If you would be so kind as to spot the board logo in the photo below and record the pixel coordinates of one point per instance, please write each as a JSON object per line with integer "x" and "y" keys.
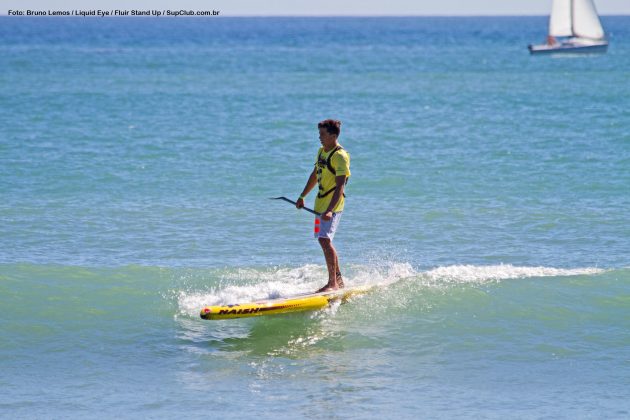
{"x": 239, "y": 311}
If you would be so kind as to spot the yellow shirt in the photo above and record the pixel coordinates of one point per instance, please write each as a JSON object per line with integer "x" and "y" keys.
{"x": 340, "y": 162}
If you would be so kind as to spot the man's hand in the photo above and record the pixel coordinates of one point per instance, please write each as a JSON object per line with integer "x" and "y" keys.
{"x": 299, "y": 203}
{"x": 327, "y": 216}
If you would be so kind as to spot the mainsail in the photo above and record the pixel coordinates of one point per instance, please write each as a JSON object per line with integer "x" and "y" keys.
{"x": 586, "y": 23}
{"x": 575, "y": 18}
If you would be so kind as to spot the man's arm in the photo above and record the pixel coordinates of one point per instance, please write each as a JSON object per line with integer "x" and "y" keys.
{"x": 310, "y": 184}
{"x": 341, "y": 185}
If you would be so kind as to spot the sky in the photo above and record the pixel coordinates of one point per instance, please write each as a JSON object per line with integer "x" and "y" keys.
{"x": 321, "y": 7}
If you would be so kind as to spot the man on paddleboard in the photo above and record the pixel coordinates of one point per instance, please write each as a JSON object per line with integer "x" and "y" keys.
{"x": 331, "y": 172}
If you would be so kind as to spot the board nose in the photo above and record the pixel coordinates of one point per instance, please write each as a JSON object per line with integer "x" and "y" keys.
{"x": 205, "y": 313}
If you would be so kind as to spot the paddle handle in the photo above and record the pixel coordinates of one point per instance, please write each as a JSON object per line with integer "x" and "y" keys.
{"x": 294, "y": 203}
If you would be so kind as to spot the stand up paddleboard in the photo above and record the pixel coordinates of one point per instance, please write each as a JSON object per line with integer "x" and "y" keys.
{"x": 298, "y": 303}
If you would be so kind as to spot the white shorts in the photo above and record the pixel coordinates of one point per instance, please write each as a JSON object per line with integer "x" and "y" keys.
{"x": 326, "y": 228}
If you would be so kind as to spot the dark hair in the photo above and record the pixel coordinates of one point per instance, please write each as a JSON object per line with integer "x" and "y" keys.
{"x": 332, "y": 126}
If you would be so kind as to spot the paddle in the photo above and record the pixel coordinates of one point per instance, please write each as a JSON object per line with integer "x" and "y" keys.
{"x": 294, "y": 203}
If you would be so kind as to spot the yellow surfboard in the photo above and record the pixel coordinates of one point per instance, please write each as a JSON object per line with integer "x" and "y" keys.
{"x": 305, "y": 302}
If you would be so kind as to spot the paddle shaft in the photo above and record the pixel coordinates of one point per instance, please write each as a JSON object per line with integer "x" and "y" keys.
{"x": 294, "y": 203}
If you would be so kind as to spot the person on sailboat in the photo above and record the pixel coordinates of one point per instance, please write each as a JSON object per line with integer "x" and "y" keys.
{"x": 331, "y": 172}
{"x": 551, "y": 40}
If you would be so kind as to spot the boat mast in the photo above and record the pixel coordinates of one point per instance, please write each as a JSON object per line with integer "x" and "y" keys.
{"x": 572, "y": 16}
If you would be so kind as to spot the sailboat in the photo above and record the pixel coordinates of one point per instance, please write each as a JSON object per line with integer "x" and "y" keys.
{"x": 577, "y": 25}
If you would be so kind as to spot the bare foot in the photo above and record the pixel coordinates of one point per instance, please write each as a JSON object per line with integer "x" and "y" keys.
{"x": 334, "y": 286}
{"x": 328, "y": 288}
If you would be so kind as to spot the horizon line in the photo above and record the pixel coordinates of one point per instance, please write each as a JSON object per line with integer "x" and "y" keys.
{"x": 301, "y": 16}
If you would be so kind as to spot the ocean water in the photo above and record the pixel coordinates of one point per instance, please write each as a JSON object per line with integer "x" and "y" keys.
{"x": 490, "y": 192}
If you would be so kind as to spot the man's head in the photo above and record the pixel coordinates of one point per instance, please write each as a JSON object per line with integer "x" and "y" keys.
{"x": 328, "y": 132}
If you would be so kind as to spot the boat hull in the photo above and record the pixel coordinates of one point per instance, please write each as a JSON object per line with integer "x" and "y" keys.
{"x": 569, "y": 48}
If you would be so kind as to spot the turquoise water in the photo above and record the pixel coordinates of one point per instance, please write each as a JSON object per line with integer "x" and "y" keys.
{"x": 490, "y": 193}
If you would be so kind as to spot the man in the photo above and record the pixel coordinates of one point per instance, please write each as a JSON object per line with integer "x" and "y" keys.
{"x": 331, "y": 172}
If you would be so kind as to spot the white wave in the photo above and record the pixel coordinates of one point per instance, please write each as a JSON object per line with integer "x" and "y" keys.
{"x": 282, "y": 282}
{"x": 490, "y": 273}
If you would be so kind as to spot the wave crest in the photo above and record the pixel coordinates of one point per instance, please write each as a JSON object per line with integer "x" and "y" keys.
{"x": 248, "y": 284}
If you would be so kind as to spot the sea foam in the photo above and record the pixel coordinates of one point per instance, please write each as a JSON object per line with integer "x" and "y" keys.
{"x": 282, "y": 282}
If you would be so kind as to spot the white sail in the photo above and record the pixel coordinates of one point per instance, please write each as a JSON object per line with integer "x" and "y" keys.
{"x": 586, "y": 23}
{"x": 560, "y": 19}
{"x": 576, "y": 20}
